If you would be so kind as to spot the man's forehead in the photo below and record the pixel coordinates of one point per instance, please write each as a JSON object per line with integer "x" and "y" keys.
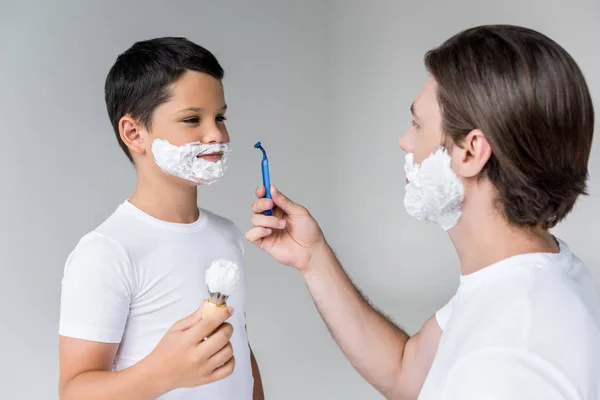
{"x": 426, "y": 100}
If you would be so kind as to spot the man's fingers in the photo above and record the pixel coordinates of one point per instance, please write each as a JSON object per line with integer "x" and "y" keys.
{"x": 262, "y": 205}
{"x": 208, "y": 325}
{"x": 256, "y": 235}
{"x": 260, "y": 192}
{"x": 264, "y": 221}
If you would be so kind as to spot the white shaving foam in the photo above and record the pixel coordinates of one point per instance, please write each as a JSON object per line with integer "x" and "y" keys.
{"x": 182, "y": 161}
{"x": 434, "y": 192}
{"x": 222, "y": 277}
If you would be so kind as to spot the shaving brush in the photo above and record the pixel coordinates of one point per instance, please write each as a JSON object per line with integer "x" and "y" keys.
{"x": 221, "y": 279}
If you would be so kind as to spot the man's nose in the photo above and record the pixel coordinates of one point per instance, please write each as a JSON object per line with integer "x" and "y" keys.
{"x": 405, "y": 141}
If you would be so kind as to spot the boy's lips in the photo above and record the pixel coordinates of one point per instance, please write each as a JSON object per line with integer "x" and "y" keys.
{"x": 213, "y": 157}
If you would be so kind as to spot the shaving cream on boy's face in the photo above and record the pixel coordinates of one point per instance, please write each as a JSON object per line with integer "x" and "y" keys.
{"x": 433, "y": 193}
{"x": 184, "y": 161}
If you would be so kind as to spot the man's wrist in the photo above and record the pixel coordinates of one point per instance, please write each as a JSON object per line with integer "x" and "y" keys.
{"x": 320, "y": 255}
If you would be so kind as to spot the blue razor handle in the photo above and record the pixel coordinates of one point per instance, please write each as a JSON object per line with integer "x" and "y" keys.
{"x": 265, "y": 174}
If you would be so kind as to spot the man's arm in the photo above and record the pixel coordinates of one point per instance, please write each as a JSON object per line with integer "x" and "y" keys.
{"x": 392, "y": 361}
{"x": 258, "y": 393}
{"x": 385, "y": 356}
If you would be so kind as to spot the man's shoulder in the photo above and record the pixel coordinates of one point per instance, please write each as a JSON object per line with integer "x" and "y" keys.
{"x": 498, "y": 373}
{"x": 552, "y": 301}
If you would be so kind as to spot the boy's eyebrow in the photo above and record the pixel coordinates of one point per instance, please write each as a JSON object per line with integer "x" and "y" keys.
{"x": 412, "y": 110}
{"x": 199, "y": 109}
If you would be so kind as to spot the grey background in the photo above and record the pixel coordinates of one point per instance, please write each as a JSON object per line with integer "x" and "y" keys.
{"x": 325, "y": 85}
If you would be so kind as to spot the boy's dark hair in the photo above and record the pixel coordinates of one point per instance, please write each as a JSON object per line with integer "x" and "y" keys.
{"x": 138, "y": 81}
{"x": 530, "y": 99}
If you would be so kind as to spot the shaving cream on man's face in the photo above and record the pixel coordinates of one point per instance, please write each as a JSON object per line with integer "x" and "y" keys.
{"x": 183, "y": 161}
{"x": 433, "y": 193}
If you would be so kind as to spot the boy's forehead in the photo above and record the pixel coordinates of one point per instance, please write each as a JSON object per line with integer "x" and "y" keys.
{"x": 196, "y": 84}
{"x": 195, "y": 90}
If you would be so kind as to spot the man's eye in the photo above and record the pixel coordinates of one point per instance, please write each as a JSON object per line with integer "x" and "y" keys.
{"x": 192, "y": 120}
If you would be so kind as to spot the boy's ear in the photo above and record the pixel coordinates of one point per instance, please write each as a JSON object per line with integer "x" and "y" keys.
{"x": 130, "y": 131}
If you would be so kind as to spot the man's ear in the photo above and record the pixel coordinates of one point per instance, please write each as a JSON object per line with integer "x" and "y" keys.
{"x": 474, "y": 153}
{"x": 131, "y": 132}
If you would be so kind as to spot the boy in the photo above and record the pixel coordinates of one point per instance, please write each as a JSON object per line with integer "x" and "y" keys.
{"x": 130, "y": 279}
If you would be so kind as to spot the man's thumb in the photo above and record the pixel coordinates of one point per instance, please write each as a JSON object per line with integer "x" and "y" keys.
{"x": 285, "y": 204}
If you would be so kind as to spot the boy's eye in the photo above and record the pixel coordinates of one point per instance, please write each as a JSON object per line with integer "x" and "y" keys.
{"x": 414, "y": 124}
{"x": 192, "y": 120}
{"x": 221, "y": 118}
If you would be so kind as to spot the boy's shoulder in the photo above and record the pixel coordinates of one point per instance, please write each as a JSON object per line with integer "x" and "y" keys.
{"x": 128, "y": 227}
{"x": 127, "y": 233}
{"x": 219, "y": 221}
{"x": 225, "y": 227}
{"x": 102, "y": 239}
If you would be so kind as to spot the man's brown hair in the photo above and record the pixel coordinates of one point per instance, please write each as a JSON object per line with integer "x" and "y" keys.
{"x": 530, "y": 99}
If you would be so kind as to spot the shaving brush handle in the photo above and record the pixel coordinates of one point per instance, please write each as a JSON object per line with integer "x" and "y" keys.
{"x": 210, "y": 308}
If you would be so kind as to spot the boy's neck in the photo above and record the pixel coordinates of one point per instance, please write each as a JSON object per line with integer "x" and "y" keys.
{"x": 166, "y": 200}
{"x": 484, "y": 237}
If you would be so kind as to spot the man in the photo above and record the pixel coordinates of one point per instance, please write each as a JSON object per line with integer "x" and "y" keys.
{"x": 128, "y": 281}
{"x": 497, "y": 155}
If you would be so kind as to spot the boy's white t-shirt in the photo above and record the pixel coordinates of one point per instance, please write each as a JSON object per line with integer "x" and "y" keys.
{"x": 527, "y": 327}
{"x": 134, "y": 276}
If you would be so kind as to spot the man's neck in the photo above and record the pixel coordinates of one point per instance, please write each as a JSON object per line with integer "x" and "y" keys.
{"x": 484, "y": 237}
{"x": 166, "y": 200}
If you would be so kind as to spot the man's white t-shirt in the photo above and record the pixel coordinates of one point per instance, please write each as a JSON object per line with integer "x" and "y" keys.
{"x": 134, "y": 276}
{"x": 527, "y": 327}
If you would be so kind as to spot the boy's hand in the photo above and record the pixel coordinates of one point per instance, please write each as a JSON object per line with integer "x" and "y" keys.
{"x": 183, "y": 358}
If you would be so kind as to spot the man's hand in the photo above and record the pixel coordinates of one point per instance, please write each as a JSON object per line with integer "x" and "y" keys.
{"x": 290, "y": 236}
{"x": 392, "y": 362}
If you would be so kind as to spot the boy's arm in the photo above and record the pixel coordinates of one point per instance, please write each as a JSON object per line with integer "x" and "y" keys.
{"x": 183, "y": 358}
{"x": 258, "y": 393}
{"x": 86, "y": 373}
{"x": 95, "y": 302}
{"x": 97, "y": 289}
